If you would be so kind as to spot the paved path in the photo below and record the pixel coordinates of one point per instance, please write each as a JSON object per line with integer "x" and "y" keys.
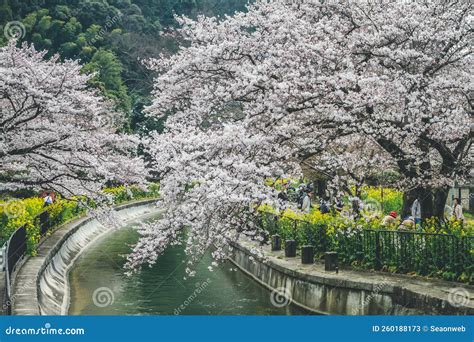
{"x": 2, "y": 293}
{"x": 25, "y": 288}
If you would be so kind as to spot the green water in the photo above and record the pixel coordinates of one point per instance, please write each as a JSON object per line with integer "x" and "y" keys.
{"x": 161, "y": 290}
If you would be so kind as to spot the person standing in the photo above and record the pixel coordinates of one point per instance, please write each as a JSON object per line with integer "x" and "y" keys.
{"x": 338, "y": 205}
{"x": 283, "y": 194}
{"x": 457, "y": 210}
{"x": 48, "y": 200}
{"x": 355, "y": 201}
{"x": 323, "y": 206}
{"x": 416, "y": 211}
{"x": 306, "y": 206}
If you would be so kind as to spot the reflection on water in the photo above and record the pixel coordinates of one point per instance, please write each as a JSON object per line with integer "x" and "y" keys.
{"x": 99, "y": 287}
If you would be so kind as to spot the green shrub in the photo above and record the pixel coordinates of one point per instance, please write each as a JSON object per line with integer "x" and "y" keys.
{"x": 447, "y": 256}
{"x": 16, "y": 213}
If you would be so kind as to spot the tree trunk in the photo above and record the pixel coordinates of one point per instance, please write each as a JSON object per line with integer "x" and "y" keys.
{"x": 322, "y": 187}
{"x": 440, "y": 197}
{"x": 432, "y": 201}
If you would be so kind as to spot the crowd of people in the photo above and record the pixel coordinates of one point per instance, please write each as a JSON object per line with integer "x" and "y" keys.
{"x": 303, "y": 195}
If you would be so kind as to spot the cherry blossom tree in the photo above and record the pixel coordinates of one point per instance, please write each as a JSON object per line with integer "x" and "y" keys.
{"x": 258, "y": 94}
{"x": 56, "y": 133}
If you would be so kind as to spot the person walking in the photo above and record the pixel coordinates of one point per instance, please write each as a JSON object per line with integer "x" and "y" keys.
{"x": 457, "y": 210}
{"x": 416, "y": 211}
{"x": 283, "y": 198}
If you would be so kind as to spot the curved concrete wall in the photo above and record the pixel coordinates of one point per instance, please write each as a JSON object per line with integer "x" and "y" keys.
{"x": 349, "y": 292}
{"x": 41, "y": 286}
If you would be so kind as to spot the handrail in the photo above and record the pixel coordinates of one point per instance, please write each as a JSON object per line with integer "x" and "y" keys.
{"x": 9, "y": 269}
{"x": 44, "y": 228}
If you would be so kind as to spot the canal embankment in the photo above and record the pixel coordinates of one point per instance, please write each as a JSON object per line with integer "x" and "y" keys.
{"x": 350, "y": 292}
{"x": 40, "y": 286}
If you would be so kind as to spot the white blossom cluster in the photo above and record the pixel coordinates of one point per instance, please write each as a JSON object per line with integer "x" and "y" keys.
{"x": 56, "y": 134}
{"x": 258, "y": 94}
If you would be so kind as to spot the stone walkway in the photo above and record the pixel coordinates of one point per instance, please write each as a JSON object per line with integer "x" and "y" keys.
{"x": 25, "y": 287}
{"x": 2, "y": 293}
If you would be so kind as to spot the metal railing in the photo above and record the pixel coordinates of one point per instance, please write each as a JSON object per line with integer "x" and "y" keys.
{"x": 445, "y": 255}
{"x": 16, "y": 248}
{"x": 14, "y": 252}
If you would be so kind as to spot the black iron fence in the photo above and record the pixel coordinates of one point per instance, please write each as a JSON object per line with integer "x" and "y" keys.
{"x": 15, "y": 251}
{"x": 446, "y": 256}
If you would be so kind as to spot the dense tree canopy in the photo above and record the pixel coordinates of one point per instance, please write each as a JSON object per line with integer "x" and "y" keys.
{"x": 56, "y": 134}
{"x": 90, "y": 29}
{"x": 257, "y": 94}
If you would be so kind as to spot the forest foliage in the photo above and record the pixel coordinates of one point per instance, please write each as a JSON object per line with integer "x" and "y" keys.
{"x": 110, "y": 38}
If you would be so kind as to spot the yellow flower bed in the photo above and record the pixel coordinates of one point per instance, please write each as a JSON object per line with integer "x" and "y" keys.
{"x": 16, "y": 213}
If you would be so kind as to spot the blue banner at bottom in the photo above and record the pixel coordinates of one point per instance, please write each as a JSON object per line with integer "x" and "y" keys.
{"x": 238, "y": 328}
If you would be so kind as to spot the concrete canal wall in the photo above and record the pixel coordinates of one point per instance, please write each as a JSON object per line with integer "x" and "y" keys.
{"x": 41, "y": 285}
{"x": 351, "y": 292}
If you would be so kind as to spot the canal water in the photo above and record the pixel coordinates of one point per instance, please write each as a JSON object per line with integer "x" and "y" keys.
{"x": 99, "y": 286}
